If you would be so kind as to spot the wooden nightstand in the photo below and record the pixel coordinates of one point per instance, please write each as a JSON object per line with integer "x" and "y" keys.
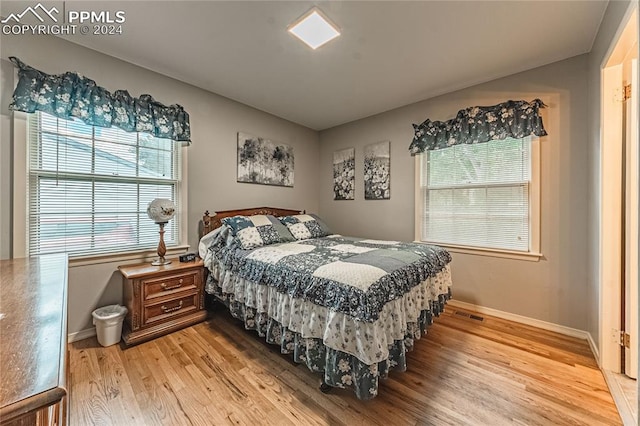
{"x": 161, "y": 299}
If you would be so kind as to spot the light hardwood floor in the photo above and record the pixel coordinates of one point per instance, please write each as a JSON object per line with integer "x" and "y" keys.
{"x": 463, "y": 372}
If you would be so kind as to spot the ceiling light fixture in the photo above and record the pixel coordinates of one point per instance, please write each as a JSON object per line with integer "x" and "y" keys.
{"x": 314, "y": 29}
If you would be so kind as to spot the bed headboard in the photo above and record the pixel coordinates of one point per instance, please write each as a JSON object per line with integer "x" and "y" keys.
{"x": 209, "y": 223}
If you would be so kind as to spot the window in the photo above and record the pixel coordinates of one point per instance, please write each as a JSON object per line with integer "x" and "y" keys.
{"x": 480, "y": 196}
{"x": 89, "y": 187}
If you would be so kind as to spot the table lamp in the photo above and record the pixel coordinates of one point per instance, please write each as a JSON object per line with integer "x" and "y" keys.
{"x": 161, "y": 211}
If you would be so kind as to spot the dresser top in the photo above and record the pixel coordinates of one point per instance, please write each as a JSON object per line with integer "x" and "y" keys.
{"x": 144, "y": 269}
{"x": 33, "y": 331}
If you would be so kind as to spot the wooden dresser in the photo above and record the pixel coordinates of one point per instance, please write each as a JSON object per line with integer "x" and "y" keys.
{"x": 162, "y": 299}
{"x": 33, "y": 341}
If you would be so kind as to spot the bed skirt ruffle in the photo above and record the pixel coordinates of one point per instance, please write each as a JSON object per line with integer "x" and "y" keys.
{"x": 339, "y": 369}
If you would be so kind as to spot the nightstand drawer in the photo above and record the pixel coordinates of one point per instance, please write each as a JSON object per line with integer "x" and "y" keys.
{"x": 163, "y": 286}
{"x": 170, "y": 308}
{"x": 161, "y": 299}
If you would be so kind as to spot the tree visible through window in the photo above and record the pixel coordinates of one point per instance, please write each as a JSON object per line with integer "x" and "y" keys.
{"x": 477, "y": 195}
{"x": 89, "y": 187}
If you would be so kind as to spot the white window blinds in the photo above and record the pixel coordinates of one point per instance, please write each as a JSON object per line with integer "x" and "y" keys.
{"x": 477, "y": 195}
{"x": 89, "y": 187}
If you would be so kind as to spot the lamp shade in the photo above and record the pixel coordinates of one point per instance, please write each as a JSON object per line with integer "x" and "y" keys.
{"x": 161, "y": 210}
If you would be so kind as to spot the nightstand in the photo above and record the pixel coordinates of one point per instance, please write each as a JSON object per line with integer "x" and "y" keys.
{"x": 161, "y": 299}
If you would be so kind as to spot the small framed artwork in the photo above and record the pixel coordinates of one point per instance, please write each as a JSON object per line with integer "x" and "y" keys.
{"x": 377, "y": 171}
{"x": 344, "y": 174}
{"x": 264, "y": 162}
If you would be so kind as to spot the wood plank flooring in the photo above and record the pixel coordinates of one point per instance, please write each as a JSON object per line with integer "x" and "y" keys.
{"x": 463, "y": 372}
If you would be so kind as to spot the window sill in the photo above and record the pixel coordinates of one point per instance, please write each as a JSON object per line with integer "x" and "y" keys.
{"x": 477, "y": 251}
{"x": 137, "y": 255}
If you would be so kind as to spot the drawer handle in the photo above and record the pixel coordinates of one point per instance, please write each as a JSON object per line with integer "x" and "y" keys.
{"x": 165, "y": 288}
{"x": 175, "y": 308}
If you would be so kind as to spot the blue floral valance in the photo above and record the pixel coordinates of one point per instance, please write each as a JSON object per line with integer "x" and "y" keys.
{"x": 72, "y": 95}
{"x": 514, "y": 119}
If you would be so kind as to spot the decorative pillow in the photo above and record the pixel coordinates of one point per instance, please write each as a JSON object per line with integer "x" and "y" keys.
{"x": 257, "y": 231}
{"x": 305, "y": 226}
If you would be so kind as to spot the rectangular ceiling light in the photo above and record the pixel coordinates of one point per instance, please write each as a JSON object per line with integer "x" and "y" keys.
{"x": 314, "y": 29}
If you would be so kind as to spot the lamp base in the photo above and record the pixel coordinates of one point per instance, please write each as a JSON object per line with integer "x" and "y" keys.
{"x": 160, "y": 261}
{"x": 162, "y": 249}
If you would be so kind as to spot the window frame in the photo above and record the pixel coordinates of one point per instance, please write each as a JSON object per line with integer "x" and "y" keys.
{"x": 533, "y": 254}
{"x": 20, "y": 208}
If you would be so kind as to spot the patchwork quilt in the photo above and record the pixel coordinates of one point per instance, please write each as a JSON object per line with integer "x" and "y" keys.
{"x": 347, "y": 307}
{"x": 357, "y": 277}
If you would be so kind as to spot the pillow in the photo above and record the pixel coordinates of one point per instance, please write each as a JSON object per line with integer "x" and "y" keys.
{"x": 304, "y": 226}
{"x": 257, "y": 231}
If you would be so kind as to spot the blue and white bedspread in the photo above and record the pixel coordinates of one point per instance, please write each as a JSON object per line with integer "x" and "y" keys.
{"x": 347, "y": 307}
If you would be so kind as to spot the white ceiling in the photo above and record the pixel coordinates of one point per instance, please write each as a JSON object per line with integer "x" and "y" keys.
{"x": 390, "y": 53}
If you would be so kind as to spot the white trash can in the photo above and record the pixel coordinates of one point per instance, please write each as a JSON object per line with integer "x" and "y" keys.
{"x": 108, "y": 322}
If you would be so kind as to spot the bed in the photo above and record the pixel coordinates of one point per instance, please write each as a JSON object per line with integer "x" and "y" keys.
{"x": 348, "y": 308}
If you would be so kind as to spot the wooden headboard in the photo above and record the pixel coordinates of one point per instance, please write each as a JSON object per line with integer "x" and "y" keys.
{"x": 209, "y": 223}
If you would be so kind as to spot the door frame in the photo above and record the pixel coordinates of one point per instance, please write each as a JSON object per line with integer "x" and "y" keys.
{"x": 610, "y": 206}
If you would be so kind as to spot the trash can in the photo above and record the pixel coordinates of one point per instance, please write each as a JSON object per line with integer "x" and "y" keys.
{"x": 108, "y": 322}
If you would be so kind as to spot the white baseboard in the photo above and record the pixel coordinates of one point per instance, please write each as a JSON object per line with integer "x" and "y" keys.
{"x": 81, "y": 335}
{"x": 594, "y": 349}
{"x": 568, "y": 331}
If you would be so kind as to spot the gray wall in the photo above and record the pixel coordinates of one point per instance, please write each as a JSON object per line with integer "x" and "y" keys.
{"x": 553, "y": 289}
{"x": 611, "y": 21}
{"x": 211, "y": 170}
{"x": 562, "y": 288}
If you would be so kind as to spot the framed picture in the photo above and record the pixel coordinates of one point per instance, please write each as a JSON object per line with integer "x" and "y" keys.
{"x": 344, "y": 174}
{"x": 264, "y": 162}
{"x": 377, "y": 171}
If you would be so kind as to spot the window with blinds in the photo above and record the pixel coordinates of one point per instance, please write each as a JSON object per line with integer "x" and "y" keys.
{"x": 478, "y": 195}
{"x": 89, "y": 187}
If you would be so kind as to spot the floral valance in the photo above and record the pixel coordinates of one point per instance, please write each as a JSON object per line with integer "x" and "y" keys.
{"x": 514, "y": 119}
{"x": 72, "y": 95}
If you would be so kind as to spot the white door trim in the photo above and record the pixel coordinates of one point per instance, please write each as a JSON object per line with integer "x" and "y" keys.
{"x": 610, "y": 218}
{"x": 610, "y": 209}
